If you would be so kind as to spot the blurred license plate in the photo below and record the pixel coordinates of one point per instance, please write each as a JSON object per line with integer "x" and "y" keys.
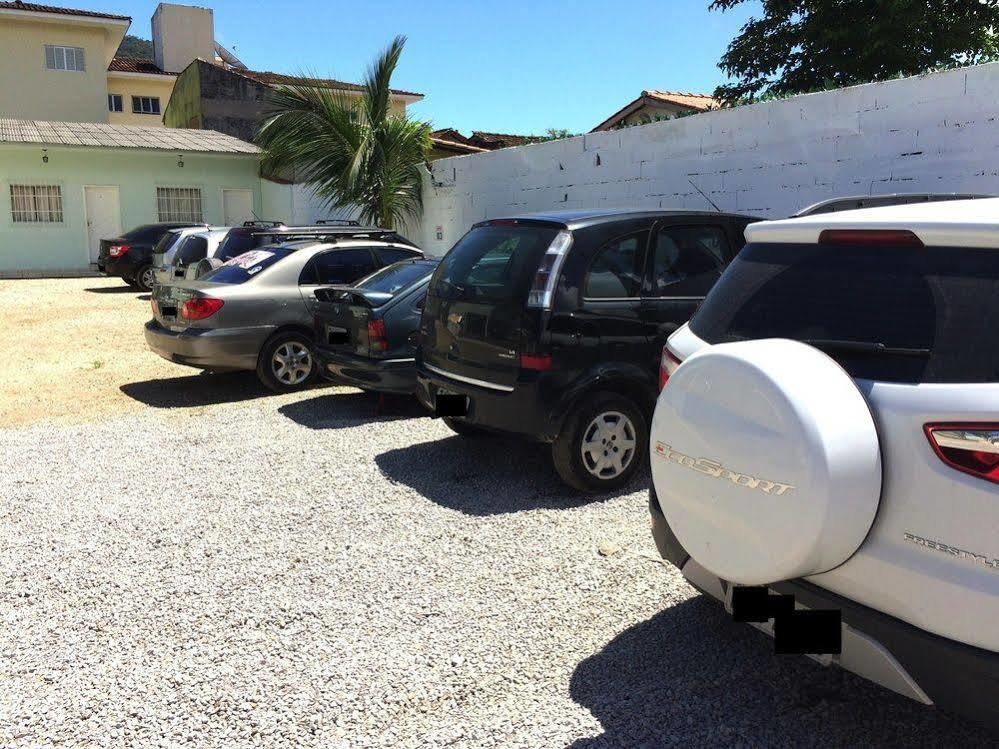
{"x": 336, "y": 334}
{"x": 450, "y": 404}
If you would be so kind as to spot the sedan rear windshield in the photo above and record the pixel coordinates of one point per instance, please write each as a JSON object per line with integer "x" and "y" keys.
{"x": 495, "y": 262}
{"x": 392, "y": 278}
{"x": 898, "y": 314}
{"x": 244, "y": 267}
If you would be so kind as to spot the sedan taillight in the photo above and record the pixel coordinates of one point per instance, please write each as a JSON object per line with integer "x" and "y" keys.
{"x": 200, "y": 307}
{"x": 668, "y": 364}
{"x": 117, "y": 250}
{"x": 971, "y": 448}
{"x": 377, "y": 335}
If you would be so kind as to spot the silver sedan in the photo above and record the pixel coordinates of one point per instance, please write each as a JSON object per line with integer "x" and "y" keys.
{"x": 256, "y": 311}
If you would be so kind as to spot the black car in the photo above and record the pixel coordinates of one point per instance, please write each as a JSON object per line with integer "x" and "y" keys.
{"x": 254, "y": 234}
{"x": 130, "y": 256}
{"x": 365, "y": 334}
{"x": 551, "y": 326}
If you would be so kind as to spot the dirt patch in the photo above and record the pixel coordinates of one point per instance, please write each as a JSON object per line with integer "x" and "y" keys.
{"x": 73, "y": 350}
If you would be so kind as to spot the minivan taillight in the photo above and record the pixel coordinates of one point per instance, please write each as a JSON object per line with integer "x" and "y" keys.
{"x": 377, "y": 336}
{"x": 537, "y": 362}
{"x": 200, "y": 307}
{"x": 543, "y": 288}
{"x": 668, "y": 364}
{"x": 971, "y": 447}
{"x": 117, "y": 250}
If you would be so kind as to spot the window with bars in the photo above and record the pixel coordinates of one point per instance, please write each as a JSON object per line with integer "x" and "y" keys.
{"x": 145, "y": 105}
{"x": 179, "y": 204}
{"x": 114, "y": 103}
{"x": 36, "y": 204}
{"x": 64, "y": 58}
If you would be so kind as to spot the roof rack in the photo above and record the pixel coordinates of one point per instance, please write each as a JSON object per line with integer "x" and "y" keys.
{"x": 834, "y": 205}
{"x": 262, "y": 223}
{"x": 337, "y": 222}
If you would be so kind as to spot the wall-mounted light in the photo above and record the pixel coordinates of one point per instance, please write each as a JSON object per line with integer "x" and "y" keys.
{"x": 45, "y": 156}
{"x": 180, "y": 160}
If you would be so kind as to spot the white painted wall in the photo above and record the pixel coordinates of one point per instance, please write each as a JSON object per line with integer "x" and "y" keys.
{"x": 936, "y": 133}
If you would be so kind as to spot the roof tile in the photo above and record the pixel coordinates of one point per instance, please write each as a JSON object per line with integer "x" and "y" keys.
{"x": 121, "y": 136}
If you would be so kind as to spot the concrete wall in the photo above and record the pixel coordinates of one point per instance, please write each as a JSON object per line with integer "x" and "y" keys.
{"x": 937, "y": 133}
{"x": 182, "y": 33}
{"x": 63, "y": 248}
{"x": 133, "y": 85}
{"x": 28, "y": 90}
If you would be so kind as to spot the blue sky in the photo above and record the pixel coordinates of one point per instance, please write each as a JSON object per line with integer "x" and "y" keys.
{"x": 513, "y": 66}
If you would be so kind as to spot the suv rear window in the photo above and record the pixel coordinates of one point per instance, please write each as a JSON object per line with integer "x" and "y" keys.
{"x": 244, "y": 267}
{"x": 934, "y": 309}
{"x": 493, "y": 263}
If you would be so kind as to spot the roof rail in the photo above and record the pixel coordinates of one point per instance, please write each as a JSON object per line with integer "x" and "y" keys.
{"x": 834, "y": 205}
{"x": 262, "y": 223}
{"x": 337, "y": 222}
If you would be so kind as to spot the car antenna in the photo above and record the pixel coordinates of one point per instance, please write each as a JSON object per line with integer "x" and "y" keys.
{"x": 703, "y": 195}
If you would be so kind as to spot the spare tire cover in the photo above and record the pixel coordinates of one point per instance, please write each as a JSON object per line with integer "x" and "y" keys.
{"x": 766, "y": 461}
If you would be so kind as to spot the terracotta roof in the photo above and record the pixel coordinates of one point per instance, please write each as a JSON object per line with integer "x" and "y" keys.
{"x": 33, "y": 8}
{"x": 491, "y": 141}
{"x": 654, "y": 98}
{"x": 102, "y": 135}
{"x": 136, "y": 65}
{"x": 456, "y": 146}
{"x": 279, "y": 79}
{"x": 700, "y": 102}
{"x": 450, "y": 134}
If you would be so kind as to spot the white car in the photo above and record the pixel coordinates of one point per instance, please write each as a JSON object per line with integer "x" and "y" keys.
{"x": 183, "y": 253}
{"x": 828, "y": 430}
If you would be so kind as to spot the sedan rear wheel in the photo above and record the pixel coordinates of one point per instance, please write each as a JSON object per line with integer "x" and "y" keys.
{"x": 286, "y": 362}
{"x": 145, "y": 278}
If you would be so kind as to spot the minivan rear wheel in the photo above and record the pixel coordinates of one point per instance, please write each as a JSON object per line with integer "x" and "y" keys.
{"x": 603, "y": 443}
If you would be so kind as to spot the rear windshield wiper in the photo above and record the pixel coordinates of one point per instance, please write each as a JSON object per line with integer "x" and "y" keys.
{"x": 864, "y": 347}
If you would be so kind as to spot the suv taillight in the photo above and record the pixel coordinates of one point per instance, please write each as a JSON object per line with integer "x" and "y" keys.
{"x": 543, "y": 289}
{"x": 377, "y": 336}
{"x": 117, "y": 250}
{"x": 970, "y": 448}
{"x": 200, "y": 307}
{"x": 668, "y": 364}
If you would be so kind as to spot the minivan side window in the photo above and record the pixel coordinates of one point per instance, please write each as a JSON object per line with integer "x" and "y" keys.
{"x": 338, "y": 266}
{"x": 687, "y": 260}
{"x": 616, "y": 270}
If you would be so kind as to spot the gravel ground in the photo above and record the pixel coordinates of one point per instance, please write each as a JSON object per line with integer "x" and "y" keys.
{"x": 296, "y": 571}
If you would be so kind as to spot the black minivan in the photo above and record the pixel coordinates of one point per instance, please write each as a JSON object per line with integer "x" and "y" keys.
{"x": 551, "y": 326}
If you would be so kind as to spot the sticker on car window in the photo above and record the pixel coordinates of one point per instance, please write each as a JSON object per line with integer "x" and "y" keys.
{"x": 249, "y": 259}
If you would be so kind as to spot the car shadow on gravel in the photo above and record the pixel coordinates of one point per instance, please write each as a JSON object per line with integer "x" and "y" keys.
{"x": 690, "y": 676}
{"x": 204, "y": 389}
{"x": 338, "y": 410}
{"x": 113, "y": 290}
{"x": 489, "y": 475}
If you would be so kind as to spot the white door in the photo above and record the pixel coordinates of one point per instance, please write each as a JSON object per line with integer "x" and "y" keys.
{"x": 103, "y": 216}
{"x": 237, "y": 206}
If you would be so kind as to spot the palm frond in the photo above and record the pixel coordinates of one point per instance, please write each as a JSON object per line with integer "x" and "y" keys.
{"x": 351, "y": 148}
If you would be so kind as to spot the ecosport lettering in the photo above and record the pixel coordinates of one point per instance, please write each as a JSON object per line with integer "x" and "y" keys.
{"x": 952, "y": 550}
{"x": 716, "y": 470}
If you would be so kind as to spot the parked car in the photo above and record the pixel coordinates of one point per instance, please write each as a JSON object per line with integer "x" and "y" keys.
{"x": 130, "y": 256}
{"x": 365, "y": 333}
{"x": 550, "y": 326}
{"x": 255, "y": 311}
{"x": 181, "y": 249}
{"x": 829, "y": 430}
{"x": 255, "y": 234}
{"x": 833, "y": 205}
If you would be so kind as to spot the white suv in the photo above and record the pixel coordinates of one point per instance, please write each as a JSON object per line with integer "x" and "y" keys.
{"x": 829, "y": 431}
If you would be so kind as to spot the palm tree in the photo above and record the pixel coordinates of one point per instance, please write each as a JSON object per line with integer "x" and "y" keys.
{"x": 352, "y": 149}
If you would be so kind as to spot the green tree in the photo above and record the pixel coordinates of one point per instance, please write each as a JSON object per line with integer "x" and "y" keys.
{"x": 809, "y": 45}
{"x": 353, "y": 150}
{"x": 134, "y": 46}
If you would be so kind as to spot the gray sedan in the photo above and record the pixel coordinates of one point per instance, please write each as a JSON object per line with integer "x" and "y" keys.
{"x": 256, "y": 311}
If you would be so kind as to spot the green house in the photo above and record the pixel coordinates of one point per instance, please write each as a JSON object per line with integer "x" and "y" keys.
{"x": 64, "y": 186}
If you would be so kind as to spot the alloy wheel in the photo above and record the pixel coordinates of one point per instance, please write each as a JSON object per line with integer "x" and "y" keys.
{"x": 291, "y": 363}
{"x": 148, "y": 278}
{"x": 608, "y": 445}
